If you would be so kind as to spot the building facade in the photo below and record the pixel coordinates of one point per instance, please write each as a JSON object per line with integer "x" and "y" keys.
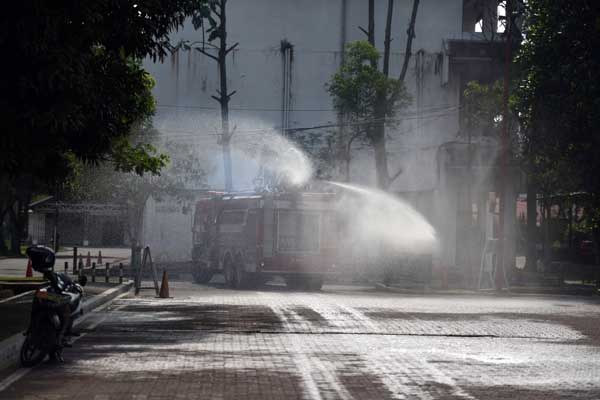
{"x": 289, "y": 49}
{"x": 77, "y": 224}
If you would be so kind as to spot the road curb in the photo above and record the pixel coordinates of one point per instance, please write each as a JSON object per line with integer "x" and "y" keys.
{"x": 11, "y": 347}
{"x": 516, "y": 291}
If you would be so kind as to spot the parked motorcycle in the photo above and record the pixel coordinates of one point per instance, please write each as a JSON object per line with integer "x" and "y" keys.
{"x": 44, "y": 336}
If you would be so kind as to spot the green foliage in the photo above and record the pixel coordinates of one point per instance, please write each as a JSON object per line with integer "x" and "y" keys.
{"x": 559, "y": 92}
{"x": 171, "y": 176}
{"x": 73, "y": 85}
{"x": 483, "y": 107}
{"x": 558, "y": 99}
{"x": 355, "y": 87}
{"x": 483, "y": 114}
{"x": 139, "y": 158}
{"x": 182, "y": 168}
{"x": 364, "y": 98}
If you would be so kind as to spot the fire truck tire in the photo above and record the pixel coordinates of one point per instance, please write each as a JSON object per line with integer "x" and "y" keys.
{"x": 201, "y": 273}
{"x": 243, "y": 280}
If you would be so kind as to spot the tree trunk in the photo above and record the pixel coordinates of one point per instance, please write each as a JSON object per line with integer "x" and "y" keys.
{"x": 378, "y": 128}
{"x": 387, "y": 41}
{"x": 3, "y": 248}
{"x": 371, "y": 28}
{"x": 596, "y": 240}
{"x": 381, "y": 163}
{"x": 531, "y": 254}
{"x": 15, "y": 232}
{"x": 347, "y": 170}
{"x": 411, "y": 35}
{"x": 224, "y": 99}
{"x": 547, "y": 244}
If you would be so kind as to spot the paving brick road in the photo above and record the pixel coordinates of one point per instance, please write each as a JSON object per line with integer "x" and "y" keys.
{"x": 342, "y": 343}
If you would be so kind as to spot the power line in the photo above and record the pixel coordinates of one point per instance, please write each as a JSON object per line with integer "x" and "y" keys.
{"x": 275, "y": 109}
{"x": 194, "y": 137}
{"x": 182, "y": 132}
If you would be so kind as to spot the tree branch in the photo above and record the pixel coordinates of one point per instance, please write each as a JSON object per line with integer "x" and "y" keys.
{"x": 232, "y": 132}
{"x": 395, "y": 176}
{"x": 231, "y": 48}
{"x": 352, "y": 139}
{"x": 371, "y": 27}
{"x": 231, "y": 94}
{"x": 219, "y": 99}
{"x": 207, "y": 54}
{"x": 203, "y": 43}
{"x": 387, "y": 41}
{"x": 364, "y": 31}
{"x": 411, "y": 35}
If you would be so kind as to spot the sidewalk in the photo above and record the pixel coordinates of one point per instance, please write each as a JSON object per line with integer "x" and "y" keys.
{"x": 16, "y": 266}
{"x": 16, "y": 311}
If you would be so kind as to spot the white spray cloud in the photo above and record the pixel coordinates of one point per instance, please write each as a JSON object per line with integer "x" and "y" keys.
{"x": 278, "y": 156}
{"x": 374, "y": 218}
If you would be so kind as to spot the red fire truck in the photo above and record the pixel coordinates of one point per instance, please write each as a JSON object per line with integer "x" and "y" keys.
{"x": 250, "y": 238}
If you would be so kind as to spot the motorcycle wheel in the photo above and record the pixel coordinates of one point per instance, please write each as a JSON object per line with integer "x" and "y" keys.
{"x": 31, "y": 354}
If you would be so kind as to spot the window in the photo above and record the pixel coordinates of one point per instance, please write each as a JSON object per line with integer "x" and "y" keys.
{"x": 298, "y": 231}
{"x": 233, "y": 217}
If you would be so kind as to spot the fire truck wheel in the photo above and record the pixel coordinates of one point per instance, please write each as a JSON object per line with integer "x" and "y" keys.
{"x": 201, "y": 273}
{"x": 243, "y": 280}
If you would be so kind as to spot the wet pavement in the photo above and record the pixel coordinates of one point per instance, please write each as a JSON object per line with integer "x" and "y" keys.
{"x": 342, "y": 343}
{"x": 16, "y": 311}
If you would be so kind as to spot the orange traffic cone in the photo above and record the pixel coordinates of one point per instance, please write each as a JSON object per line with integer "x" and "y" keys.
{"x": 29, "y": 272}
{"x": 88, "y": 261}
{"x": 164, "y": 287}
{"x": 99, "y": 257}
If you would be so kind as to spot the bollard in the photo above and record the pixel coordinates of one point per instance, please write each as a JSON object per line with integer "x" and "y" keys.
{"x": 107, "y": 273}
{"x": 120, "y": 272}
{"x": 78, "y": 266}
{"x": 93, "y": 272}
{"x": 66, "y": 267}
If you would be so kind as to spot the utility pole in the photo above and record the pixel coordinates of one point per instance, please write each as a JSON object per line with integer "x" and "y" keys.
{"x": 500, "y": 272}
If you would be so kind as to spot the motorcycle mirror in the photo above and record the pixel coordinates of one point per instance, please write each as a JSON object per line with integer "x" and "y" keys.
{"x": 82, "y": 280}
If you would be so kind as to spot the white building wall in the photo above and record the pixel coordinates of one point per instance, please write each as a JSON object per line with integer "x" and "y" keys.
{"x": 317, "y": 29}
{"x": 167, "y": 230}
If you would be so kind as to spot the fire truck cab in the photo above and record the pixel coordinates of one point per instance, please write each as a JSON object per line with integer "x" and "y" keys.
{"x": 251, "y": 238}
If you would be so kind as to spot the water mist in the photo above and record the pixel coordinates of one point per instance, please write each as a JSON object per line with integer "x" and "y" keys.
{"x": 373, "y": 218}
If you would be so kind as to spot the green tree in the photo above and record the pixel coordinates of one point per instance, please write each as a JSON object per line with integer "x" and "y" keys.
{"x": 356, "y": 89}
{"x": 558, "y": 99}
{"x": 377, "y": 128}
{"x": 74, "y": 88}
{"x": 185, "y": 169}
